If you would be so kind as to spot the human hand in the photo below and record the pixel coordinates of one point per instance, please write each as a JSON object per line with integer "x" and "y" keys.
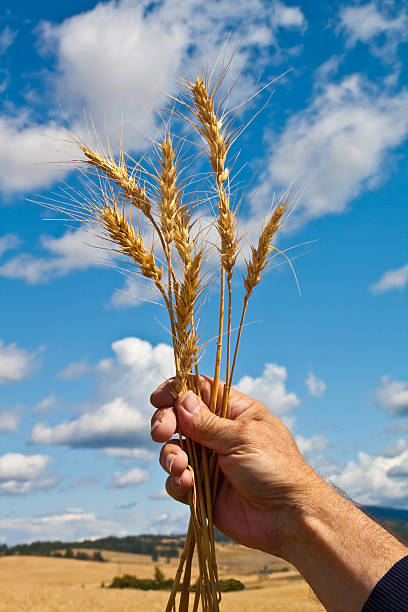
{"x": 264, "y": 479}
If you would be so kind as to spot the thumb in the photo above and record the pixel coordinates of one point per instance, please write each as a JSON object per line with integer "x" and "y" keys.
{"x": 198, "y": 423}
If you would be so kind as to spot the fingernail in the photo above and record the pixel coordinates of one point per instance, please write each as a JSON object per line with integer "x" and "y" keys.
{"x": 190, "y": 402}
{"x": 169, "y": 461}
{"x": 155, "y": 424}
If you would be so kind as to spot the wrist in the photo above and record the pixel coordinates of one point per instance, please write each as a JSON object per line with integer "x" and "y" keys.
{"x": 339, "y": 550}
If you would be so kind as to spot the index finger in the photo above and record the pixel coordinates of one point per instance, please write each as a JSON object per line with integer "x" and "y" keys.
{"x": 162, "y": 397}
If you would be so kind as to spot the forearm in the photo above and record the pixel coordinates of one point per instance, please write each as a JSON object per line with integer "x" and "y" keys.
{"x": 340, "y": 551}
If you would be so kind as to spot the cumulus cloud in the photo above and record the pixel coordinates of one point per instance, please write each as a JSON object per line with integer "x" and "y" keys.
{"x": 75, "y": 250}
{"x": 112, "y": 423}
{"x": 73, "y": 524}
{"x": 91, "y": 71}
{"x": 118, "y": 412}
{"x": 396, "y": 448}
{"x": 133, "y": 293}
{"x": 8, "y": 242}
{"x": 168, "y": 523}
{"x": 25, "y": 163}
{"x": 316, "y": 386}
{"x": 373, "y": 480}
{"x": 313, "y": 445}
{"x": 382, "y": 31}
{"x": 129, "y": 479}
{"x": 288, "y": 16}
{"x": 270, "y": 389}
{"x": 9, "y": 420}
{"x": 390, "y": 280}
{"x": 7, "y": 36}
{"x": 143, "y": 454}
{"x": 21, "y": 474}
{"x": 15, "y": 363}
{"x": 46, "y": 405}
{"x": 326, "y": 144}
{"x": 75, "y": 369}
{"x": 393, "y": 395}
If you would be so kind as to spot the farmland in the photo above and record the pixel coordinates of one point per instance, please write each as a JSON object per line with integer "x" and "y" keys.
{"x": 34, "y": 584}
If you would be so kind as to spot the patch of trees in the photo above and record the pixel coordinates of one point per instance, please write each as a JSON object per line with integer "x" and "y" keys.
{"x": 163, "y": 546}
{"x": 159, "y": 583}
{"x": 79, "y": 555}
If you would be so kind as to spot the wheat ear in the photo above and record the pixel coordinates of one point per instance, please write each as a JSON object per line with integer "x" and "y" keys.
{"x": 121, "y": 231}
{"x": 210, "y": 126}
{"x": 119, "y": 174}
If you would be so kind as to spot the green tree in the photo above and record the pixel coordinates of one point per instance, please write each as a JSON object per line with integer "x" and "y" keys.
{"x": 158, "y": 575}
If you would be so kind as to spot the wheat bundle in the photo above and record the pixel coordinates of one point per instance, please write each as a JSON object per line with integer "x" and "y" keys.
{"x": 181, "y": 281}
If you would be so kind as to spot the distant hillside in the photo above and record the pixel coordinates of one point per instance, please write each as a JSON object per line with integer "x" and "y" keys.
{"x": 393, "y": 519}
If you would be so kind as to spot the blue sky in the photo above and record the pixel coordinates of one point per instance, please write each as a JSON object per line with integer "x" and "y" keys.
{"x": 80, "y": 349}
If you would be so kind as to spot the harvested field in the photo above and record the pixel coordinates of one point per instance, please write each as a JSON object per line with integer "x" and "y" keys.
{"x": 44, "y": 584}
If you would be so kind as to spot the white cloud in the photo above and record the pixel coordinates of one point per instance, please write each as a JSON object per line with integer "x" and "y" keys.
{"x": 270, "y": 389}
{"x": 17, "y": 487}
{"x": 393, "y": 395}
{"x": 92, "y": 72}
{"x": 129, "y": 453}
{"x": 373, "y": 480}
{"x": 73, "y": 524}
{"x": 112, "y": 423}
{"x": 8, "y": 242}
{"x": 168, "y": 523}
{"x": 75, "y": 250}
{"x": 288, "y": 16}
{"x": 75, "y": 369}
{"x": 366, "y": 23}
{"x": 133, "y": 293}
{"x": 15, "y": 466}
{"x": 118, "y": 412}
{"x": 21, "y": 474}
{"x": 27, "y": 161}
{"x": 131, "y": 478}
{"x": 392, "y": 279}
{"x": 396, "y": 448}
{"x": 15, "y": 363}
{"x": 46, "y": 405}
{"x": 316, "y": 386}
{"x": 9, "y": 420}
{"x": 7, "y": 36}
{"x": 310, "y": 446}
{"x": 338, "y": 144}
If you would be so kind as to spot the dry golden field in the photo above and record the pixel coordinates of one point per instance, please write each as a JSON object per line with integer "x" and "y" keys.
{"x": 43, "y": 584}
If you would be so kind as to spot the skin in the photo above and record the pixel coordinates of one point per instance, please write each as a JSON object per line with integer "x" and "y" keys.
{"x": 271, "y": 499}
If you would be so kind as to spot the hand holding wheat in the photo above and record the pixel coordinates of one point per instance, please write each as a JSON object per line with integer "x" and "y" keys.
{"x": 264, "y": 481}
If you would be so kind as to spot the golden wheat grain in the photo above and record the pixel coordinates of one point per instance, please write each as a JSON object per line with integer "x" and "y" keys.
{"x": 122, "y": 233}
{"x": 185, "y": 300}
{"x": 211, "y": 126}
{"x": 169, "y": 194}
{"x": 259, "y": 255}
{"x": 119, "y": 174}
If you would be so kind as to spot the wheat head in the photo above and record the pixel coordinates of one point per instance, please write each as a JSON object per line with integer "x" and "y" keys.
{"x": 119, "y": 174}
{"x": 121, "y": 232}
{"x": 259, "y": 255}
